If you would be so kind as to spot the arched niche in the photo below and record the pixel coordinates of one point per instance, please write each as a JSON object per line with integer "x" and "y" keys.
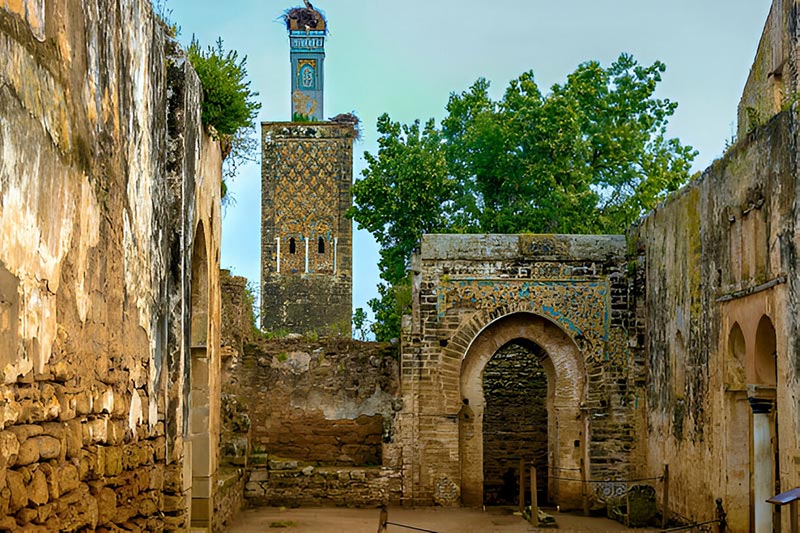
{"x": 566, "y": 379}
{"x": 736, "y": 359}
{"x": 764, "y": 354}
{"x": 736, "y": 344}
{"x": 199, "y": 332}
{"x": 737, "y": 433}
{"x": 199, "y": 450}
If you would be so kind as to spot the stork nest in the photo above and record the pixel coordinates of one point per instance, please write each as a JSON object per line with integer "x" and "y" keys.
{"x": 348, "y": 118}
{"x": 304, "y": 18}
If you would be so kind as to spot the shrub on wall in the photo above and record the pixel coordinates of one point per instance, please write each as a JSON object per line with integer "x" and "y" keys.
{"x": 229, "y": 106}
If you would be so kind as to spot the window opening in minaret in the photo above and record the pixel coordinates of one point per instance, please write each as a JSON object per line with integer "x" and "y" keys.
{"x": 292, "y": 246}
{"x": 320, "y": 245}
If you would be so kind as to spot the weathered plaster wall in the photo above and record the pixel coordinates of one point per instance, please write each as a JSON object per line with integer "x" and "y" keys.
{"x": 475, "y": 294}
{"x": 104, "y": 176}
{"x": 717, "y": 259}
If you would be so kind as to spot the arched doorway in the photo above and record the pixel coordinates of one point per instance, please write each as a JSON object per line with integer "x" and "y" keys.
{"x": 737, "y": 455}
{"x": 763, "y": 378}
{"x": 514, "y": 421}
{"x": 199, "y": 450}
{"x": 563, "y": 368}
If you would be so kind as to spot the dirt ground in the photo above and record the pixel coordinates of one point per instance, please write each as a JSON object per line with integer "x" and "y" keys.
{"x": 436, "y": 519}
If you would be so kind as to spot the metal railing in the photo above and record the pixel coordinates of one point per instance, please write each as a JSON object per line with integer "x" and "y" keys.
{"x": 790, "y": 497}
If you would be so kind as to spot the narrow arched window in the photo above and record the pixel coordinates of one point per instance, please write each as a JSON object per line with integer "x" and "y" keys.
{"x": 320, "y": 245}
{"x": 292, "y": 246}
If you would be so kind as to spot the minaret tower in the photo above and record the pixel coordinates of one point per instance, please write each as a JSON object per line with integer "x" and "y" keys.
{"x": 307, "y": 29}
{"x": 306, "y": 174}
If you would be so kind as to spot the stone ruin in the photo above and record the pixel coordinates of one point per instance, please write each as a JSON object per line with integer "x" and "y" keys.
{"x": 133, "y": 400}
{"x": 109, "y": 274}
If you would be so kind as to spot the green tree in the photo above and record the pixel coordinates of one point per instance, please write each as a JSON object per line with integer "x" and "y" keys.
{"x": 405, "y": 192}
{"x": 360, "y": 324}
{"x": 229, "y": 106}
{"x": 590, "y": 156}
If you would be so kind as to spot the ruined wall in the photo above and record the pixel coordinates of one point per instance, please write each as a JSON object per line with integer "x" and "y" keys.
{"x": 292, "y": 486}
{"x": 229, "y": 498}
{"x": 306, "y": 239}
{"x": 475, "y": 294}
{"x": 237, "y": 328}
{"x": 105, "y": 174}
{"x": 719, "y": 263}
{"x": 312, "y": 419}
{"x": 327, "y": 402}
{"x": 773, "y": 81}
{"x": 237, "y": 316}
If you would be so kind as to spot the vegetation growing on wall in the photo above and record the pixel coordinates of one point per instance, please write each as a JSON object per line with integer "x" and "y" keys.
{"x": 229, "y": 106}
{"x": 590, "y": 156}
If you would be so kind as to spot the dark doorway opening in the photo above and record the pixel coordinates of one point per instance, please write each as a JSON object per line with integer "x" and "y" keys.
{"x": 514, "y": 422}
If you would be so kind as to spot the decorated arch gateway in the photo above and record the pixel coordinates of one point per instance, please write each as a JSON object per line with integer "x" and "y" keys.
{"x": 517, "y": 348}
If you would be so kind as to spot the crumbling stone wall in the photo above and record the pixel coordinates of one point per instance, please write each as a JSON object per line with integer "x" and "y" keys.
{"x": 318, "y": 486}
{"x": 237, "y": 316}
{"x": 326, "y": 402}
{"x": 105, "y": 177}
{"x": 717, "y": 286}
{"x": 473, "y": 295}
{"x": 320, "y": 413}
{"x": 238, "y": 329}
{"x": 773, "y": 80}
{"x": 719, "y": 257}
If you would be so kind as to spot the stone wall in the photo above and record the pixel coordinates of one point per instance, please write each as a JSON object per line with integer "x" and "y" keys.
{"x": 311, "y": 419}
{"x": 473, "y": 295}
{"x": 229, "y": 497}
{"x": 106, "y": 180}
{"x": 773, "y": 80}
{"x": 717, "y": 287}
{"x": 325, "y": 402}
{"x": 237, "y": 316}
{"x": 306, "y": 239}
{"x": 720, "y": 269}
{"x": 350, "y": 487}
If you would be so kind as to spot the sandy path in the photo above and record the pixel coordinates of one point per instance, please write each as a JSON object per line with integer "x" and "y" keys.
{"x": 440, "y": 520}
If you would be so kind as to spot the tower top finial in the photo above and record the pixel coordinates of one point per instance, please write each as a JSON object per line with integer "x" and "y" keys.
{"x": 306, "y": 18}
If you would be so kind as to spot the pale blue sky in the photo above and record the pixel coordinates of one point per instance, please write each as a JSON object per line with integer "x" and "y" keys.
{"x": 406, "y": 57}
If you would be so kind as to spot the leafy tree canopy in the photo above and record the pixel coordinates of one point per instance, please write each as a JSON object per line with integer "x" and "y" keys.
{"x": 590, "y": 156}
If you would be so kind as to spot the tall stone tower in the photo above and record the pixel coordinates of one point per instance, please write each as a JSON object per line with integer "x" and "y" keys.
{"x": 306, "y": 174}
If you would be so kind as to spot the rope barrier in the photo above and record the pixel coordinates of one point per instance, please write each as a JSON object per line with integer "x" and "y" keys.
{"x": 383, "y": 521}
{"x": 659, "y": 478}
{"x": 691, "y": 526}
{"x": 410, "y": 527}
